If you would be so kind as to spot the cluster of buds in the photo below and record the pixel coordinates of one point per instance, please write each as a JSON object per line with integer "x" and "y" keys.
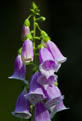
{"x": 41, "y": 98}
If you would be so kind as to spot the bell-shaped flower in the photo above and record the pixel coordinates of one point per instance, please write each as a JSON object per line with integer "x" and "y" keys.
{"x": 56, "y": 53}
{"x": 41, "y": 113}
{"x": 27, "y": 51}
{"x": 42, "y": 80}
{"x": 52, "y": 93}
{"x": 25, "y": 31}
{"x": 59, "y": 106}
{"x": 19, "y": 69}
{"x": 35, "y": 94}
{"x": 22, "y": 107}
{"x": 48, "y": 65}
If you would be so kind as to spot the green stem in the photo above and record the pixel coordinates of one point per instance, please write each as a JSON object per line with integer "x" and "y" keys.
{"x": 39, "y": 28}
{"x": 34, "y": 28}
{"x": 29, "y": 16}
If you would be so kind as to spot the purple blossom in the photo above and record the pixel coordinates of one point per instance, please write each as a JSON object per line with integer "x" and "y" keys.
{"x": 27, "y": 51}
{"x": 59, "y": 106}
{"x": 56, "y": 53}
{"x": 41, "y": 113}
{"x": 52, "y": 93}
{"x": 48, "y": 65}
{"x": 35, "y": 94}
{"x": 19, "y": 69}
{"x": 25, "y": 31}
{"x": 22, "y": 107}
{"x": 42, "y": 80}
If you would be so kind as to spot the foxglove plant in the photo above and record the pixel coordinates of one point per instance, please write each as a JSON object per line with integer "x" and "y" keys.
{"x": 41, "y": 97}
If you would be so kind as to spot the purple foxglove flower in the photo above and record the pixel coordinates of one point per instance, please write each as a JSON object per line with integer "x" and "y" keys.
{"x": 56, "y": 53}
{"x": 35, "y": 94}
{"x": 42, "y": 80}
{"x": 22, "y": 107}
{"x": 48, "y": 66}
{"x": 41, "y": 113}
{"x": 19, "y": 70}
{"x": 52, "y": 93}
{"x": 59, "y": 106}
{"x": 27, "y": 51}
{"x": 25, "y": 31}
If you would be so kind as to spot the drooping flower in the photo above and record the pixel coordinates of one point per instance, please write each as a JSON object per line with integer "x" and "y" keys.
{"x": 27, "y": 51}
{"x": 56, "y": 53}
{"x": 52, "y": 93}
{"x": 19, "y": 69}
{"x": 35, "y": 94}
{"x": 41, "y": 113}
{"x": 22, "y": 107}
{"x": 42, "y": 80}
{"x": 48, "y": 65}
{"x": 59, "y": 106}
{"x": 25, "y": 31}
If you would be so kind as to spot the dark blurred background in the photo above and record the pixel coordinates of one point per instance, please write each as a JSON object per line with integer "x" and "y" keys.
{"x": 64, "y": 25}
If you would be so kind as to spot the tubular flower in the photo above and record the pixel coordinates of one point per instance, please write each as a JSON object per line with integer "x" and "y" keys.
{"x": 42, "y": 80}
{"x": 25, "y": 31}
{"x": 56, "y": 53}
{"x": 19, "y": 69}
{"x": 52, "y": 92}
{"x": 48, "y": 66}
{"x": 41, "y": 113}
{"x": 59, "y": 106}
{"x": 22, "y": 107}
{"x": 35, "y": 94}
{"x": 27, "y": 51}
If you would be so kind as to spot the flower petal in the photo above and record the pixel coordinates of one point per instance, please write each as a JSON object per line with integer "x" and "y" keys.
{"x": 25, "y": 31}
{"x": 52, "y": 93}
{"x": 22, "y": 107}
{"x": 58, "y": 107}
{"x": 41, "y": 113}
{"x": 42, "y": 80}
{"x": 19, "y": 70}
{"x": 27, "y": 51}
{"x": 35, "y": 94}
{"x": 48, "y": 68}
{"x": 56, "y": 53}
{"x": 45, "y": 55}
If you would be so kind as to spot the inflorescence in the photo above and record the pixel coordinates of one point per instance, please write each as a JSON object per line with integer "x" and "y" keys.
{"x": 41, "y": 98}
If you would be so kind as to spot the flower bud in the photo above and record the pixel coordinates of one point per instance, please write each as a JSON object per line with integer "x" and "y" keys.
{"x": 27, "y": 51}
{"x": 25, "y": 31}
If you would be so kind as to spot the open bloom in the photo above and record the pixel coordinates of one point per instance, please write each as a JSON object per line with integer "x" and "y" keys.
{"x": 35, "y": 94}
{"x": 48, "y": 65}
{"x": 22, "y": 107}
{"x": 25, "y": 31}
{"x": 41, "y": 113}
{"x": 42, "y": 80}
{"x": 19, "y": 69}
{"x": 52, "y": 93}
{"x": 56, "y": 53}
{"x": 59, "y": 106}
{"x": 27, "y": 51}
